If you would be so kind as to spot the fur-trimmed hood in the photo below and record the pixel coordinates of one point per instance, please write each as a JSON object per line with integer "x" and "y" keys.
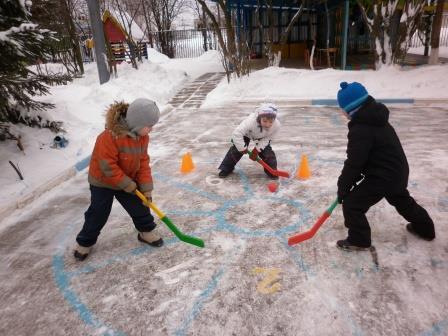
{"x": 115, "y": 118}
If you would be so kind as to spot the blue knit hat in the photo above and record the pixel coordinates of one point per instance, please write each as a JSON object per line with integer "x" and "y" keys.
{"x": 351, "y": 96}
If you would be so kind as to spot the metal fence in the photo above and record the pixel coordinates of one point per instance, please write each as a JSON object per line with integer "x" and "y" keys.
{"x": 419, "y": 36}
{"x": 194, "y": 42}
{"x": 185, "y": 43}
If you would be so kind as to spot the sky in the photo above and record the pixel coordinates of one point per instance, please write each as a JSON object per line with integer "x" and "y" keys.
{"x": 247, "y": 280}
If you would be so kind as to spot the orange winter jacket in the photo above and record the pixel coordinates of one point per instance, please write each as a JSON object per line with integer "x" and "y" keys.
{"x": 119, "y": 156}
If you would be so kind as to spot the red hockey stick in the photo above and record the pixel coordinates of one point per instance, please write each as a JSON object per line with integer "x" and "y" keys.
{"x": 300, "y": 237}
{"x": 280, "y": 173}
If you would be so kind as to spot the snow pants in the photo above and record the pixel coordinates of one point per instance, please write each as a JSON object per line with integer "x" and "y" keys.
{"x": 370, "y": 192}
{"x": 98, "y": 212}
{"x": 234, "y": 155}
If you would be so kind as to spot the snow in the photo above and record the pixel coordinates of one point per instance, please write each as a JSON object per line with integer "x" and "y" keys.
{"x": 81, "y": 104}
{"x": 124, "y": 19}
{"x": 443, "y": 51}
{"x": 282, "y": 83}
{"x": 246, "y": 281}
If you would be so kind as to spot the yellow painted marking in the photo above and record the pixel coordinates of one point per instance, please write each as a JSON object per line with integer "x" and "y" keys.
{"x": 270, "y": 283}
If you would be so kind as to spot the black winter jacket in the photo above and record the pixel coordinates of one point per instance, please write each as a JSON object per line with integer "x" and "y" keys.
{"x": 373, "y": 150}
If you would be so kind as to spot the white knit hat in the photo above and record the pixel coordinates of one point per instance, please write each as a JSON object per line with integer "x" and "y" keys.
{"x": 267, "y": 110}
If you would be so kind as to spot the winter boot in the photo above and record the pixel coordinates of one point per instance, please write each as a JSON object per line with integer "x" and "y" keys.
{"x": 81, "y": 252}
{"x": 224, "y": 173}
{"x": 411, "y": 229}
{"x": 347, "y": 246}
{"x": 151, "y": 238}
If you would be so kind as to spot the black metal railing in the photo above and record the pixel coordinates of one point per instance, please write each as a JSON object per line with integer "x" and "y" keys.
{"x": 418, "y": 38}
{"x": 185, "y": 43}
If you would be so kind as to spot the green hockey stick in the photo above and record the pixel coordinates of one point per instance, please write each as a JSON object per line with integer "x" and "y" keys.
{"x": 179, "y": 234}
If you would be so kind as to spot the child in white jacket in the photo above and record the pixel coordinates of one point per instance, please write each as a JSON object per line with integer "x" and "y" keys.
{"x": 259, "y": 127}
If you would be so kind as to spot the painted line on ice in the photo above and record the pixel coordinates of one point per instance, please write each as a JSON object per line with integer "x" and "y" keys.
{"x": 63, "y": 283}
{"x": 199, "y": 303}
{"x": 438, "y": 328}
{"x": 334, "y": 102}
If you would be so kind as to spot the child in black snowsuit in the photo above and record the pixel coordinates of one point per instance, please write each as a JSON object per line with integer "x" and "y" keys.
{"x": 260, "y": 127}
{"x": 375, "y": 156}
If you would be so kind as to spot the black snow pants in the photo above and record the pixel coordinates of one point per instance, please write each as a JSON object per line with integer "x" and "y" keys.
{"x": 370, "y": 192}
{"x": 98, "y": 212}
{"x": 234, "y": 155}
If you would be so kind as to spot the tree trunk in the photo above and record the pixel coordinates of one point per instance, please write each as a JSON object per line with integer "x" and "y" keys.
{"x": 77, "y": 58}
{"x": 435, "y": 34}
{"x": 285, "y": 34}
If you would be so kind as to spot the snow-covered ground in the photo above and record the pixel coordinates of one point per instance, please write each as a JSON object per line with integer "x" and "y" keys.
{"x": 81, "y": 104}
{"x": 246, "y": 280}
{"x": 443, "y": 51}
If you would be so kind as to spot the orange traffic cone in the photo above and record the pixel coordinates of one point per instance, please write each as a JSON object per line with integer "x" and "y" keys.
{"x": 303, "y": 172}
{"x": 187, "y": 165}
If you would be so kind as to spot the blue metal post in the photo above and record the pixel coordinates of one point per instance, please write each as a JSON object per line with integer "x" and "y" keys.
{"x": 345, "y": 35}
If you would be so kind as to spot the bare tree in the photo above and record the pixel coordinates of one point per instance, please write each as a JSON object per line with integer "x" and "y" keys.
{"x": 267, "y": 35}
{"x": 391, "y": 24}
{"x": 163, "y": 13}
{"x": 202, "y": 18}
{"x": 285, "y": 33}
{"x": 126, "y": 12}
{"x": 58, "y": 16}
{"x": 234, "y": 49}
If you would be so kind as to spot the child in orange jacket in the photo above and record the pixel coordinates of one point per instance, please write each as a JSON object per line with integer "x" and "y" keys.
{"x": 119, "y": 165}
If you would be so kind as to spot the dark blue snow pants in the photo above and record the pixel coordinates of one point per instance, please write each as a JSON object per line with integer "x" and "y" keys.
{"x": 100, "y": 206}
{"x": 234, "y": 155}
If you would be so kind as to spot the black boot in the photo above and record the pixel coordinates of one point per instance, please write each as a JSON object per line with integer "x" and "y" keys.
{"x": 347, "y": 246}
{"x": 224, "y": 173}
{"x": 411, "y": 229}
{"x": 81, "y": 252}
{"x": 151, "y": 238}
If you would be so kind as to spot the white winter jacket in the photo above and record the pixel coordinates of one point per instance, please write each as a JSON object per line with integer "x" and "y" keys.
{"x": 250, "y": 128}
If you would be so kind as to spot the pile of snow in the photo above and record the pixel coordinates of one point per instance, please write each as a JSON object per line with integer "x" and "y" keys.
{"x": 81, "y": 106}
{"x": 282, "y": 83}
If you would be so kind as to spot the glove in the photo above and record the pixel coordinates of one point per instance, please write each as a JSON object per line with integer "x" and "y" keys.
{"x": 130, "y": 187}
{"x": 254, "y": 154}
{"x": 340, "y": 198}
{"x": 148, "y": 195}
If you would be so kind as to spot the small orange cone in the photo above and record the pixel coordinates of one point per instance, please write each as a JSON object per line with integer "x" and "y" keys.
{"x": 303, "y": 172}
{"x": 187, "y": 165}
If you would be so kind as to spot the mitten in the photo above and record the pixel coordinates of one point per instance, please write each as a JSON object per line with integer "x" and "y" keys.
{"x": 148, "y": 195}
{"x": 253, "y": 156}
{"x": 130, "y": 187}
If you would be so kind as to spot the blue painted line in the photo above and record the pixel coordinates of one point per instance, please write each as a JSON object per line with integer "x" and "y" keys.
{"x": 334, "y": 102}
{"x": 197, "y": 306}
{"x": 397, "y": 100}
{"x": 246, "y": 185}
{"x": 190, "y": 213}
{"x": 63, "y": 283}
{"x": 442, "y": 203}
{"x": 297, "y": 257}
{"x": 188, "y": 187}
{"x": 439, "y": 263}
{"x": 438, "y": 328}
{"x": 325, "y": 102}
{"x": 121, "y": 258}
{"x": 81, "y": 165}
